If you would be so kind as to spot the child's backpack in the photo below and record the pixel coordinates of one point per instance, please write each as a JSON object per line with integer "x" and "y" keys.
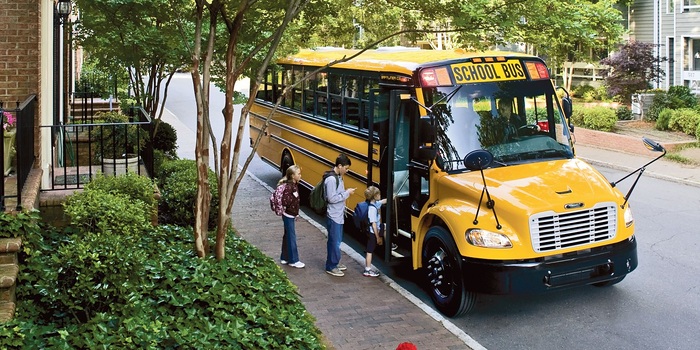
{"x": 276, "y": 200}
{"x": 361, "y": 216}
{"x": 317, "y": 198}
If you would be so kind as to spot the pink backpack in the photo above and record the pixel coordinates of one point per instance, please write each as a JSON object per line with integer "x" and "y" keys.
{"x": 276, "y": 200}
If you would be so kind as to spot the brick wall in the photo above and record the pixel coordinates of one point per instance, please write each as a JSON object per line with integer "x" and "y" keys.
{"x": 19, "y": 50}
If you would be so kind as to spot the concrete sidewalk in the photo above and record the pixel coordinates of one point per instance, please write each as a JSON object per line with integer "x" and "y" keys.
{"x": 354, "y": 311}
{"x": 661, "y": 169}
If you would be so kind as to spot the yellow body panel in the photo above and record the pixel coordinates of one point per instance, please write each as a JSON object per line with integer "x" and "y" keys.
{"x": 303, "y": 138}
{"x": 519, "y": 192}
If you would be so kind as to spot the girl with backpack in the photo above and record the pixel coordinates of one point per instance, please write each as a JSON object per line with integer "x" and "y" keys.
{"x": 375, "y": 234}
{"x": 290, "y": 202}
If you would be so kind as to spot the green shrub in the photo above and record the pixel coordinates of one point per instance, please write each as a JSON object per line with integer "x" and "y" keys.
{"x": 595, "y": 118}
{"x": 120, "y": 138}
{"x": 623, "y": 113}
{"x": 676, "y": 97}
{"x": 178, "y": 186}
{"x": 94, "y": 273}
{"x": 18, "y": 224}
{"x": 581, "y": 90}
{"x": 577, "y": 117}
{"x": 660, "y": 102}
{"x": 159, "y": 295}
{"x": 165, "y": 138}
{"x": 136, "y": 187}
{"x": 697, "y": 133}
{"x": 682, "y": 97}
{"x": 685, "y": 120}
{"x": 663, "y": 118}
{"x": 100, "y": 212}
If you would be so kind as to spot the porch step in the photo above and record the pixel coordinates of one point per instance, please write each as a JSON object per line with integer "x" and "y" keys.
{"x": 81, "y": 108}
{"x": 9, "y": 247}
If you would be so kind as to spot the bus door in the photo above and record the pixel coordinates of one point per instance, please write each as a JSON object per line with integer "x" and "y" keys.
{"x": 373, "y": 118}
{"x": 398, "y": 174}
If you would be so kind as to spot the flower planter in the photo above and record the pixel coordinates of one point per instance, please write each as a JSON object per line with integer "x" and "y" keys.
{"x": 120, "y": 166}
{"x": 9, "y": 144}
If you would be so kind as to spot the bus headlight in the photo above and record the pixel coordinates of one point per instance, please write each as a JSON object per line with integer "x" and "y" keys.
{"x": 487, "y": 239}
{"x": 629, "y": 219}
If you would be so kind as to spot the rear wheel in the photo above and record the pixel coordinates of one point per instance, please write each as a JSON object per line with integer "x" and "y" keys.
{"x": 286, "y": 162}
{"x": 445, "y": 281}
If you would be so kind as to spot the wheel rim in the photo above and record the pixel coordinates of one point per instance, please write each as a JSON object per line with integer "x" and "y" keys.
{"x": 439, "y": 273}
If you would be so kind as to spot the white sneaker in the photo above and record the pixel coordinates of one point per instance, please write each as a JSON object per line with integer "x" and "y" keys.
{"x": 283, "y": 262}
{"x": 298, "y": 265}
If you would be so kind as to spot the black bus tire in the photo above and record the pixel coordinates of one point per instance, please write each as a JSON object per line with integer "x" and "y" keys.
{"x": 444, "y": 279}
{"x": 286, "y": 162}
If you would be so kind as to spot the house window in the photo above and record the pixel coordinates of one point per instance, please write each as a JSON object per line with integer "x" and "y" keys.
{"x": 691, "y": 5}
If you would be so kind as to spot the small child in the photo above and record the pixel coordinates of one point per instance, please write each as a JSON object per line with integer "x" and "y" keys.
{"x": 374, "y": 237}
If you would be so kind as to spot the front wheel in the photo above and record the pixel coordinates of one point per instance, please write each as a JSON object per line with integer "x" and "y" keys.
{"x": 444, "y": 278}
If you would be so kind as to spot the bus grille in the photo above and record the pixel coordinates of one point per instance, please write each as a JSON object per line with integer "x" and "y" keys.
{"x": 553, "y": 231}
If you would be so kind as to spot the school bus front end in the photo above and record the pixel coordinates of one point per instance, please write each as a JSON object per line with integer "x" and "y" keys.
{"x": 548, "y": 226}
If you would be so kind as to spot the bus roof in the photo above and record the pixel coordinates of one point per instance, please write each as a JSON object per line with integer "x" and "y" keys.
{"x": 390, "y": 59}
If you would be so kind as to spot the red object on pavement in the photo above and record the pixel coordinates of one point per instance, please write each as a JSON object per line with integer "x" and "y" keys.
{"x": 406, "y": 346}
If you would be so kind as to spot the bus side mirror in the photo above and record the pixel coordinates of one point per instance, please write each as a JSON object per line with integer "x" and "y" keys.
{"x": 568, "y": 107}
{"x": 426, "y": 140}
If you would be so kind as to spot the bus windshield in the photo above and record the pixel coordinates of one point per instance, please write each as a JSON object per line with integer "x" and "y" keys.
{"x": 517, "y": 121}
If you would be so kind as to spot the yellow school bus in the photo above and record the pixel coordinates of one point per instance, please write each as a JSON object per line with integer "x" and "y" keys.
{"x": 474, "y": 153}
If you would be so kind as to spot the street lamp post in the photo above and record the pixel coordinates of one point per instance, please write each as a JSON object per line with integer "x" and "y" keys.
{"x": 61, "y": 12}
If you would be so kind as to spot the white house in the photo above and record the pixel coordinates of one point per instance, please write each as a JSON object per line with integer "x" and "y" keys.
{"x": 673, "y": 26}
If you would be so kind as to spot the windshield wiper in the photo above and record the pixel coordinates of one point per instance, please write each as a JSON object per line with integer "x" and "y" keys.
{"x": 540, "y": 154}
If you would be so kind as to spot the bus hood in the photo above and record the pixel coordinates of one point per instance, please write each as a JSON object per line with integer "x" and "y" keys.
{"x": 558, "y": 185}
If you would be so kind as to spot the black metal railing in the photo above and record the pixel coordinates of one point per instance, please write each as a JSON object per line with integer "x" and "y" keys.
{"x": 84, "y": 149}
{"x": 24, "y": 115}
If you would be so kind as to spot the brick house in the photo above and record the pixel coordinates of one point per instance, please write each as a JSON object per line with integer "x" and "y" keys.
{"x": 27, "y": 67}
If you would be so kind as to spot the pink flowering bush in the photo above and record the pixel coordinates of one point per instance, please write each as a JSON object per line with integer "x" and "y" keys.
{"x": 8, "y": 121}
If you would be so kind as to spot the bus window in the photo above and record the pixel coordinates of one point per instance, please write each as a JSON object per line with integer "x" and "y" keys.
{"x": 287, "y": 81}
{"x": 335, "y": 91}
{"x": 369, "y": 102}
{"x": 322, "y": 96}
{"x": 309, "y": 90}
{"x": 352, "y": 102}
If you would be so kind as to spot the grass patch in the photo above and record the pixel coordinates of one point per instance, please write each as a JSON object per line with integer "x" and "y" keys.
{"x": 677, "y": 156}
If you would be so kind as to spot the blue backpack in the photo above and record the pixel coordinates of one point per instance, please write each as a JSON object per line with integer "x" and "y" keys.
{"x": 361, "y": 216}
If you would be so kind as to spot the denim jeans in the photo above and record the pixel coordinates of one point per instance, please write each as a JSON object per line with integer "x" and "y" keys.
{"x": 289, "y": 241}
{"x": 335, "y": 237}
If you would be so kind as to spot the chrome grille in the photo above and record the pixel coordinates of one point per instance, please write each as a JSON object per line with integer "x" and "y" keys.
{"x": 552, "y": 231}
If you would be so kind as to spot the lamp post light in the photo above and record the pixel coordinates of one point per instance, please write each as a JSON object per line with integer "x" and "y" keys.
{"x": 63, "y": 9}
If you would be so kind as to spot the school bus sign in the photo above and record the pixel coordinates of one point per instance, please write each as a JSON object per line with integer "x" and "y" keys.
{"x": 471, "y": 72}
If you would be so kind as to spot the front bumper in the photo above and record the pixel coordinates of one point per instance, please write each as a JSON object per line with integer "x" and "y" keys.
{"x": 539, "y": 275}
